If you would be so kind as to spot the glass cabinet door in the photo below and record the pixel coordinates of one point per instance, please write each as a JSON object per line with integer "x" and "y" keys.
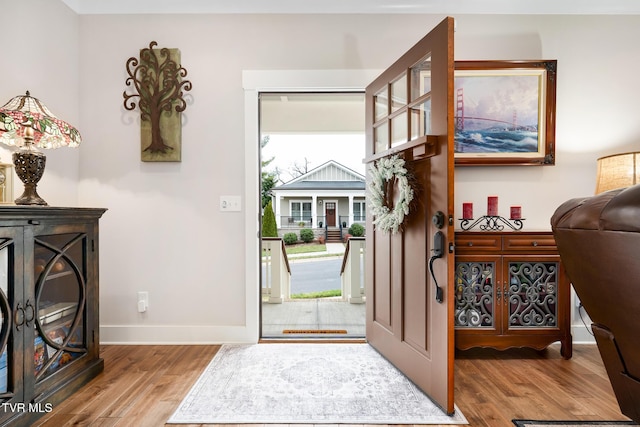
{"x": 6, "y": 255}
{"x": 60, "y": 266}
{"x": 14, "y": 314}
{"x": 532, "y": 293}
{"x": 475, "y": 291}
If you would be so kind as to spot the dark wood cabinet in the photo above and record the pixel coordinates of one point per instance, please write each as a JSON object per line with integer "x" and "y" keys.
{"x": 49, "y": 304}
{"x": 511, "y": 291}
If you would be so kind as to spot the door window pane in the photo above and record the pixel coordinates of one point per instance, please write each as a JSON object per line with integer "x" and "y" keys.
{"x": 399, "y": 93}
{"x": 381, "y": 138}
{"x": 399, "y": 129}
{"x": 421, "y": 78}
{"x": 381, "y": 104}
{"x": 421, "y": 119}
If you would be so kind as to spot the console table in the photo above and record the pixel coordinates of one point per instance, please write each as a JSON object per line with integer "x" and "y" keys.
{"x": 510, "y": 291}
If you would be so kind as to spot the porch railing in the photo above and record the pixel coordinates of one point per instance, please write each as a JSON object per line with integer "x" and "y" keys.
{"x": 276, "y": 278}
{"x": 352, "y": 271}
{"x": 296, "y": 222}
{"x": 345, "y": 220}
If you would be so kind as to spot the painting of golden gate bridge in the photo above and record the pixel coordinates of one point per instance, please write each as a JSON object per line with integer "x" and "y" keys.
{"x": 498, "y": 112}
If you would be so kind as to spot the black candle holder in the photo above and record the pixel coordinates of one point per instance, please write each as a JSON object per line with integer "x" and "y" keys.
{"x": 491, "y": 223}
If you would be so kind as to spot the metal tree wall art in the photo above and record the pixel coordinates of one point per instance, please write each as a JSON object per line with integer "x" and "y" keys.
{"x": 157, "y": 81}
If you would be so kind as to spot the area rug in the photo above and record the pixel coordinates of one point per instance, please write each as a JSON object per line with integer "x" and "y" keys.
{"x": 533, "y": 423}
{"x": 306, "y": 384}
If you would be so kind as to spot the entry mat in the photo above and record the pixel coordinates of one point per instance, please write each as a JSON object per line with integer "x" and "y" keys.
{"x": 533, "y": 423}
{"x": 306, "y": 384}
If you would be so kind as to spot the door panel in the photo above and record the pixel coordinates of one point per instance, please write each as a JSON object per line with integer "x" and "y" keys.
{"x": 409, "y": 111}
{"x": 330, "y": 211}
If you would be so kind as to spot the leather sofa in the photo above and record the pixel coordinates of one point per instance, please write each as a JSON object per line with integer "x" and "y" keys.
{"x": 598, "y": 240}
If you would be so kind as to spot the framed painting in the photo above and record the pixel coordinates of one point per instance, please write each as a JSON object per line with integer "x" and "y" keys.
{"x": 505, "y": 112}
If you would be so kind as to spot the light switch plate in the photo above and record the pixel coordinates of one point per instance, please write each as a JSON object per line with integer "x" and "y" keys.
{"x": 230, "y": 203}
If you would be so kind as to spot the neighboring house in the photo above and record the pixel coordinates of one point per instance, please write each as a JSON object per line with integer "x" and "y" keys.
{"x": 327, "y": 199}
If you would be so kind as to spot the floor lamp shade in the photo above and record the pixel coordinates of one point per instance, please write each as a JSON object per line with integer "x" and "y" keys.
{"x": 617, "y": 171}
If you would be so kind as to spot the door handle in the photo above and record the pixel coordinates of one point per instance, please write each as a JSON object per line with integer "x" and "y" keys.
{"x": 438, "y": 252}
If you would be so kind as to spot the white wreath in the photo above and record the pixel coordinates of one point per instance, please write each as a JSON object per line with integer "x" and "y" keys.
{"x": 381, "y": 172}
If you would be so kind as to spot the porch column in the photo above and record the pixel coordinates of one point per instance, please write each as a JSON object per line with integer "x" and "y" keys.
{"x": 276, "y": 210}
{"x": 314, "y": 211}
{"x": 350, "y": 210}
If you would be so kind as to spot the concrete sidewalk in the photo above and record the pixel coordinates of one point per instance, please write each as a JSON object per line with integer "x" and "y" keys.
{"x": 313, "y": 318}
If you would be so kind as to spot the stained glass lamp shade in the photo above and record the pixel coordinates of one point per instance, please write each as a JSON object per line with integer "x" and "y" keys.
{"x": 27, "y": 123}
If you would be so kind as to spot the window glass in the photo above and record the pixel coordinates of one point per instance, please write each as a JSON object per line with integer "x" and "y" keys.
{"x": 421, "y": 78}
{"x": 381, "y": 104}
{"x": 399, "y": 129}
{"x": 399, "y": 93}
{"x": 421, "y": 119}
{"x": 381, "y": 138}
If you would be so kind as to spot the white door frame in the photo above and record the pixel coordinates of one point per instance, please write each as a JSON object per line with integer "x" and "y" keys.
{"x": 254, "y": 82}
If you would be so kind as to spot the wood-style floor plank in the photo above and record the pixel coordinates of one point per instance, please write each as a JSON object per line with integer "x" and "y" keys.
{"x": 143, "y": 385}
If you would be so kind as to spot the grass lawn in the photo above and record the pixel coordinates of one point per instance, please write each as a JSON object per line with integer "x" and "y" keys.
{"x": 320, "y": 294}
{"x": 304, "y": 248}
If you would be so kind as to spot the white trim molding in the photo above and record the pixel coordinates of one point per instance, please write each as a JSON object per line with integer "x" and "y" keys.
{"x": 254, "y": 82}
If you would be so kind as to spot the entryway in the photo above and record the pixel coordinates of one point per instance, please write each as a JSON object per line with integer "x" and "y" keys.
{"x": 312, "y": 145}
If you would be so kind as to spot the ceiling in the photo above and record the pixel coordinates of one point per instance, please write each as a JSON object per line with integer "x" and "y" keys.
{"x": 445, "y": 7}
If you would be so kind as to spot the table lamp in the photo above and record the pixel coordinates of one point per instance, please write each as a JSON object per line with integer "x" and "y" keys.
{"x": 27, "y": 123}
{"x": 617, "y": 171}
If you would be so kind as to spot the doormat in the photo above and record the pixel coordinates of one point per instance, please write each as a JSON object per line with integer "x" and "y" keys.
{"x": 314, "y": 331}
{"x": 533, "y": 423}
{"x": 306, "y": 384}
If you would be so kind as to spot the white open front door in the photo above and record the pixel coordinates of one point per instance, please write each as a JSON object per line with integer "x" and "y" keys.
{"x": 410, "y": 113}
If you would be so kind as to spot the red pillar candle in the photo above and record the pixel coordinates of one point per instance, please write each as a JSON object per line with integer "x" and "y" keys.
{"x": 492, "y": 206}
{"x": 516, "y": 212}
{"x": 467, "y": 211}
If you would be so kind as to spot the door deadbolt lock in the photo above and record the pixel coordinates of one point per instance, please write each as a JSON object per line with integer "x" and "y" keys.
{"x": 438, "y": 219}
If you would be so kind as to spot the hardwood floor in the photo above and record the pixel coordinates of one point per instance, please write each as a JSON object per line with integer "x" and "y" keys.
{"x": 143, "y": 385}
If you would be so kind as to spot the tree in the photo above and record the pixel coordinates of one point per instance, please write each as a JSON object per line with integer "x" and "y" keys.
{"x": 300, "y": 169}
{"x": 269, "y": 179}
{"x": 159, "y": 87}
{"x": 269, "y": 226}
{"x": 268, "y": 182}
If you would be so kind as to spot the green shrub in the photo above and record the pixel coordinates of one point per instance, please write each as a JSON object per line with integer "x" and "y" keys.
{"x": 356, "y": 230}
{"x": 269, "y": 227}
{"x": 290, "y": 238}
{"x": 306, "y": 235}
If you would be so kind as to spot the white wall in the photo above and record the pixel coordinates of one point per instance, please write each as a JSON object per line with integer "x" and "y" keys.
{"x": 41, "y": 55}
{"x": 163, "y": 232}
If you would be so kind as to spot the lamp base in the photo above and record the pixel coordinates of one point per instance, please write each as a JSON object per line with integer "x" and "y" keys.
{"x": 29, "y": 166}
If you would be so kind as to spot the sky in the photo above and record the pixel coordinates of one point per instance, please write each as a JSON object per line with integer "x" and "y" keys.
{"x": 286, "y": 149}
{"x": 499, "y": 97}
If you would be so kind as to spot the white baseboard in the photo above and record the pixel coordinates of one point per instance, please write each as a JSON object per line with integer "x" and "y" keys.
{"x": 195, "y": 335}
{"x": 582, "y": 335}
{"x": 176, "y": 335}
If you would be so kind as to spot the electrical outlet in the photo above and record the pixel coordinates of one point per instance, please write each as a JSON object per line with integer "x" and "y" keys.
{"x": 143, "y": 301}
{"x": 230, "y": 203}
